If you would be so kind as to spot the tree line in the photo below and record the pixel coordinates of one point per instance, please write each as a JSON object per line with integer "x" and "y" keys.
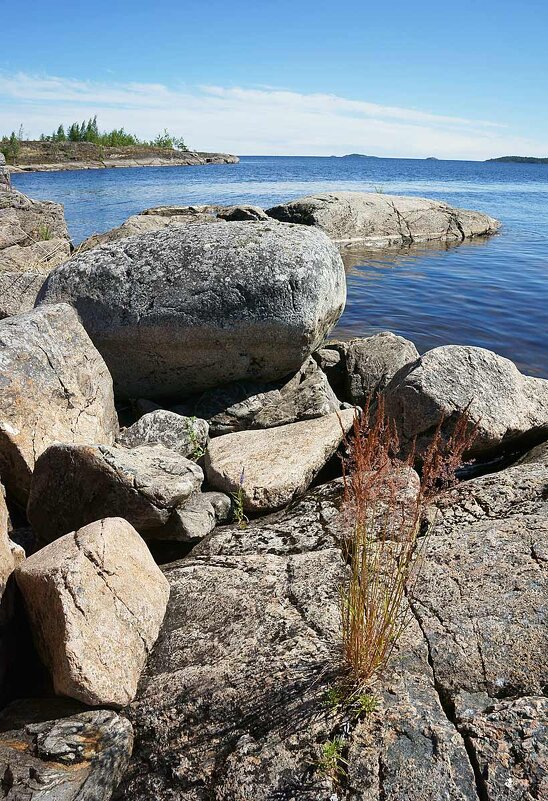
{"x": 88, "y": 131}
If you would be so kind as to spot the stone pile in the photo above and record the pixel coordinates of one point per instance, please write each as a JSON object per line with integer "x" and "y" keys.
{"x": 234, "y": 409}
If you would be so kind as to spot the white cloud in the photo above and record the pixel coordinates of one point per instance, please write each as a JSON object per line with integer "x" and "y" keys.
{"x": 256, "y": 121}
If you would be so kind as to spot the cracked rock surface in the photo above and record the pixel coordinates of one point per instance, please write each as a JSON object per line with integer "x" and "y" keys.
{"x": 76, "y": 758}
{"x": 378, "y": 220}
{"x": 96, "y": 600}
{"x": 232, "y": 703}
{"x": 75, "y": 485}
{"x": 33, "y": 233}
{"x": 446, "y": 380}
{"x": 187, "y": 308}
{"x": 274, "y": 465}
{"x": 54, "y": 387}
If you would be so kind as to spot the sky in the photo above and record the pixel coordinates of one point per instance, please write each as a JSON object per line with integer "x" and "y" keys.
{"x": 467, "y": 80}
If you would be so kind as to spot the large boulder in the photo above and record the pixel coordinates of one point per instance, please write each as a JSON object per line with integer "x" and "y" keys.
{"x": 54, "y": 387}
{"x": 447, "y": 380}
{"x": 95, "y": 599}
{"x": 81, "y": 757}
{"x": 378, "y": 220}
{"x": 74, "y": 485}
{"x": 33, "y": 233}
{"x": 187, "y": 308}
{"x": 269, "y": 467}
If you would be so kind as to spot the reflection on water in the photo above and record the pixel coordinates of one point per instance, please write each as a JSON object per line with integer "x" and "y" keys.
{"x": 492, "y": 293}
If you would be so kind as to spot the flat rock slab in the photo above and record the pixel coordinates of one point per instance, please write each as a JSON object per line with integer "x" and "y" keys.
{"x": 187, "y": 308}
{"x": 447, "y": 380}
{"x": 54, "y": 386}
{"x": 75, "y": 485}
{"x": 95, "y": 599}
{"x": 272, "y": 466}
{"x": 233, "y": 701}
{"x": 379, "y": 220}
{"x": 77, "y": 758}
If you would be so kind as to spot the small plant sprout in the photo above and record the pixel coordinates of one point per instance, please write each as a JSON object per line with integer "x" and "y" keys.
{"x": 44, "y": 233}
{"x": 365, "y": 704}
{"x": 334, "y": 697}
{"x": 197, "y": 449}
{"x": 332, "y": 762}
{"x": 238, "y": 499}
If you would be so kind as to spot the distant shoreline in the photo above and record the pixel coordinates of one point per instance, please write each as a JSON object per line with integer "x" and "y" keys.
{"x": 521, "y": 159}
{"x": 61, "y": 157}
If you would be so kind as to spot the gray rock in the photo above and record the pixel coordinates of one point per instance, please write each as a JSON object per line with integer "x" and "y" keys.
{"x": 75, "y": 485}
{"x": 510, "y": 743}
{"x": 18, "y": 291}
{"x": 448, "y": 379}
{"x": 5, "y": 179}
{"x": 77, "y": 758}
{"x": 272, "y": 466}
{"x": 96, "y": 600}
{"x": 306, "y": 396}
{"x": 221, "y": 303}
{"x": 10, "y": 556}
{"x": 54, "y": 387}
{"x": 198, "y": 516}
{"x": 157, "y": 218}
{"x": 185, "y": 435}
{"x": 371, "y": 363}
{"x": 381, "y": 220}
{"x": 242, "y": 212}
{"x": 235, "y": 691}
{"x": 244, "y": 405}
{"x": 33, "y": 233}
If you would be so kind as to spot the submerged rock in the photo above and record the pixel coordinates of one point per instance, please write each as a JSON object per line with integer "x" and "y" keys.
{"x": 185, "y": 309}
{"x": 74, "y": 485}
{"x": 54, "y": 387}
{"x": 272, "y": 466}
{"x": 76, "y": 758}
{"x": 381, "y": 220}
{"x": 96, "y": 600}
{"x": 447, "y": 380}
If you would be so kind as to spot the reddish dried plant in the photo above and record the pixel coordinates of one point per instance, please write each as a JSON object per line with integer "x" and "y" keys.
{"x": 383, "y": 505}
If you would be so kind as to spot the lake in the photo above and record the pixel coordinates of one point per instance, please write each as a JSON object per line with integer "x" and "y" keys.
{"x": 492, "y": 293}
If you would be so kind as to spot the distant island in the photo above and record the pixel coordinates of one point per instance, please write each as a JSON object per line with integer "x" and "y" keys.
{"x": 521, "y": 159}
{"x": 357, "y": 156}
{"x": 431, "y": 158}
{"x": 82, "y": 146}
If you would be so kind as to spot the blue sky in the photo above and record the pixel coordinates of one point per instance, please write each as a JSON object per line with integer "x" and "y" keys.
{"x": 462, "y": 80}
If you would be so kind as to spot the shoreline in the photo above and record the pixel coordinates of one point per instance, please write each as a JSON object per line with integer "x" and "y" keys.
{"x": 190, "y": 160}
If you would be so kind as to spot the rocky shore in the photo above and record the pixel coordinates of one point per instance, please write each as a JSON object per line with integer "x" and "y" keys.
{"x": 172, "y": 415}
{"x": 57, "y": 156}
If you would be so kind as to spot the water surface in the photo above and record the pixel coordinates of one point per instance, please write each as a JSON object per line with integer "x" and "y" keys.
{"x": 492, "y": 293}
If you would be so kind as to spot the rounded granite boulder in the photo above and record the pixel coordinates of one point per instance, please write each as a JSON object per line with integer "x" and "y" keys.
{"x": 183, "y": 309}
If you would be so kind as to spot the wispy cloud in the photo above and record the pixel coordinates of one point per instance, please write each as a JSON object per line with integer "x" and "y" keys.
{"x": 260, "y": 120}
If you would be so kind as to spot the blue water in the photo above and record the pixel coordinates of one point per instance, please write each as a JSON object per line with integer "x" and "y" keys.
{"x": 492, "y": 293}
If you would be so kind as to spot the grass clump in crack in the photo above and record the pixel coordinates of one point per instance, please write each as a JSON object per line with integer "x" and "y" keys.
{"x": 383, "y": 507}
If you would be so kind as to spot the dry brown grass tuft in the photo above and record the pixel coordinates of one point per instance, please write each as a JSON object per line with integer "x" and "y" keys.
{"x": 383, "y": 507}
